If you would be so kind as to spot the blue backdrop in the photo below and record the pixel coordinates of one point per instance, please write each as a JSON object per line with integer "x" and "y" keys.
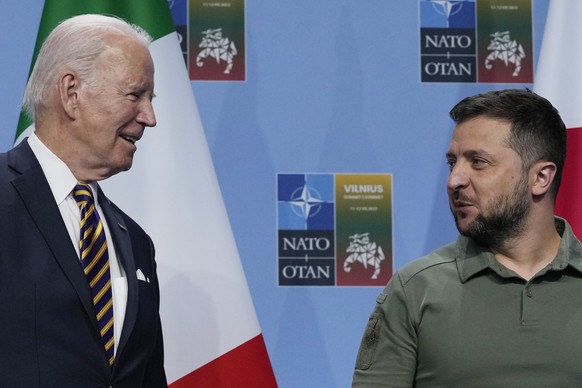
{"x": 333, "y": 86}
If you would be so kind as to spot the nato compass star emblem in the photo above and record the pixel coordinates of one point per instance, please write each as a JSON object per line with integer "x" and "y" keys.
{"x": 448, "y": 8}
{"x": 305, "y": 202}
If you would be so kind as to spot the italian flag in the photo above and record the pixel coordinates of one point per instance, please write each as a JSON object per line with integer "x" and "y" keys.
{"x": 559, "y": 79}
{"x": 211, "y": 334}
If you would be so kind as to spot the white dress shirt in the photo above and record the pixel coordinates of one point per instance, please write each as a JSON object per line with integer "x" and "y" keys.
{"x": 62, "y": 182}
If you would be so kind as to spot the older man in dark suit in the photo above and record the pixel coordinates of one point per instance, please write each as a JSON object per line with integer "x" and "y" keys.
{"x": 79, "y": 295}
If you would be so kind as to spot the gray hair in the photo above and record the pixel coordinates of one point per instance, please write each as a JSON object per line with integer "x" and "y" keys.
{"x": 74, "y": 44}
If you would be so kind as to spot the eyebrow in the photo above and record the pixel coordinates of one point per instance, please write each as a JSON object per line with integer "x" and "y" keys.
{"x": 470, "y": 153}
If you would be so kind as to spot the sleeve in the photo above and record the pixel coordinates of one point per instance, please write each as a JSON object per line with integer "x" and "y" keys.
{"x": 155, "y": 376}
{"x": 387, "y": 354}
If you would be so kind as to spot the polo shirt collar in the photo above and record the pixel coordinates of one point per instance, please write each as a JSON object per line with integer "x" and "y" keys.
{"x": 472, "y": 258}
{"x": 570, "y": 251}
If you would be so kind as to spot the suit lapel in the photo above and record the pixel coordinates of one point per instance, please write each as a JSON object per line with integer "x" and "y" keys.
{"x": 34, "y": 190}
{"x": 38, "y": 199}
{"x": 122, "y": 243}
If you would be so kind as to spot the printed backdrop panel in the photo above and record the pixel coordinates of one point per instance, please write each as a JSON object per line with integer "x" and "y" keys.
{"x": 330, "y": 86}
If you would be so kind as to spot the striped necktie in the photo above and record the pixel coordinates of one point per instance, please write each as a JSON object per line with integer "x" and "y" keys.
{"x": 95, "y": 262}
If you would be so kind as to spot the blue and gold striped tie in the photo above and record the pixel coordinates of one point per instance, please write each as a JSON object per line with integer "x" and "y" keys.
{"x": 95, "y": 262}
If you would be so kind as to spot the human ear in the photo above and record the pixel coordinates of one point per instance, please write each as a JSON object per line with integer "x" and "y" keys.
{"x": 69, "y": 94}
{"x": 544, "y": 176}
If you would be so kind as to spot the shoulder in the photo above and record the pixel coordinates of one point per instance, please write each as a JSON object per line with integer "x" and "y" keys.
{"x": 437, "y": 261}
{"x": 422, "y": 279}
{"x": 19, "y": 158}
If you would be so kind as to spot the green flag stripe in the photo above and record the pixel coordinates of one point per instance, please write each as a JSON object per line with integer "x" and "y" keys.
{"x": 152, "y": 15}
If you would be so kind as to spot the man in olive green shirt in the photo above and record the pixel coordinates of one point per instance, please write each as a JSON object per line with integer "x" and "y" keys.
{"x": 502, "y": 306}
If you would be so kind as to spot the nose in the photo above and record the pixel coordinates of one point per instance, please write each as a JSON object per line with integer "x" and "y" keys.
{"x": 146, "y": 115}
{"x": 458, "y": 177}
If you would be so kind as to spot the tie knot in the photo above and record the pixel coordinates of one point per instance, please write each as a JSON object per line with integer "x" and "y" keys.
{"x": 83, "y": 195}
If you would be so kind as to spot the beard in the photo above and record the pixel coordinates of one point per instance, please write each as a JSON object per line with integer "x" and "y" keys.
{"x": 502, "y": 220}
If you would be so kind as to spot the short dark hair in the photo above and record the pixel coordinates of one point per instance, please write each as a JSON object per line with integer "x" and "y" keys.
{"x": 537, "y": 130}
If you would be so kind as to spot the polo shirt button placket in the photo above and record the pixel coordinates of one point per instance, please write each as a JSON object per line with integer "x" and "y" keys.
{"x": 529, "y": 308}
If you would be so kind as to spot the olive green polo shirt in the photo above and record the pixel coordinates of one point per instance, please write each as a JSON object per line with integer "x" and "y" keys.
{"x": 458, "y": 318}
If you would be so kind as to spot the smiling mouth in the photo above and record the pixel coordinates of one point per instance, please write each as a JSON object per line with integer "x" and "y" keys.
{"x": 130, "y": 139}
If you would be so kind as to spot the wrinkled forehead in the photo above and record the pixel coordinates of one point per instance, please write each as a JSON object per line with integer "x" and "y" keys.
{"x": 126, "y": 54}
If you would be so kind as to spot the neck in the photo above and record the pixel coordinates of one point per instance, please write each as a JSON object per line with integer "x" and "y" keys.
{"x": 72, "y": 156}
{"x": 532, "y": 251}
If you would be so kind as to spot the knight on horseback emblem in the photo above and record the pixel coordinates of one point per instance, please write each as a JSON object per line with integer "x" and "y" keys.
{"x": 506, "y": 50}
{"x": 214, "y": 45}
{"x": 365, "y": 252}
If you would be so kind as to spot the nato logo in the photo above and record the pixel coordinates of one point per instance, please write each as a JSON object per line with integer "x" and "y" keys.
{"x": 447, "y": 41}
{"x": 306, "y": 201}
{"x": 447, "y": 14}
{"x": 306, "y": 229}
{"x": 179, "y": 11}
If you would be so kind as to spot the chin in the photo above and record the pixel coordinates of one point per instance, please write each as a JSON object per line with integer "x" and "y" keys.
{"x": 117, "y": 169}
{"x": 123, "y": 169}
{"x": 463, "y": 223}
{"x": 125, "y": 165}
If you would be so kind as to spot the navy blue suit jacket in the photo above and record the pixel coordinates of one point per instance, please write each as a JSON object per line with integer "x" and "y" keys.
{"x": 48, "y": 329}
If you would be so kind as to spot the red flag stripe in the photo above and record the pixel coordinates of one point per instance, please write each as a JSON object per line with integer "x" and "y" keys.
{"x": 569, "y": 203}
{"x": 245, "y": 366}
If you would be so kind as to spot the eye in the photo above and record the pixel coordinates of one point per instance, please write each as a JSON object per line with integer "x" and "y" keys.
{"x": 137, "y": 94}
{"x": 141, "y": 95}
{"x": 451, "y": 163}
{"x": 478, "y": 163}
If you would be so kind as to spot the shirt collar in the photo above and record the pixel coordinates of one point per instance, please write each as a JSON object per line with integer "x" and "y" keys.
{"x": 473, "y": 258}
{"x": 570, "y": 251}
{"x": 59, "y": 177}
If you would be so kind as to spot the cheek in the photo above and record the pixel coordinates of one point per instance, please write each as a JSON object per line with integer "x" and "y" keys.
{"x": 104, "y": 140}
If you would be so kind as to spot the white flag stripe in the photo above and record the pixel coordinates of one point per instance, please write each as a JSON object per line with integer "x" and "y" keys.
{"x": 559, "y": 71}
{"x": 206, "y": 306}
{"x": 26, "y": 133}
